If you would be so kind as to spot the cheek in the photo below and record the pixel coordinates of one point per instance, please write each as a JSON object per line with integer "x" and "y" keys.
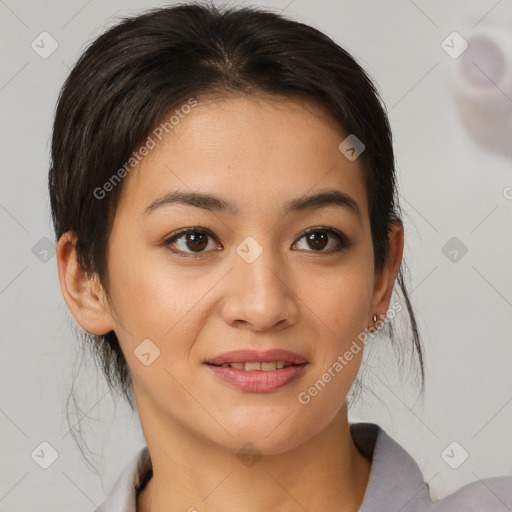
{"x": 157, "y": 325}
{"x": 339, "y": 306}
{"x": 151, "y": 300}
{"x": 344, "y": 298}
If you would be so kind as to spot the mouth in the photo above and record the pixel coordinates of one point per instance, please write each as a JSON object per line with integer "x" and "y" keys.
{"x": 258, "y": 372}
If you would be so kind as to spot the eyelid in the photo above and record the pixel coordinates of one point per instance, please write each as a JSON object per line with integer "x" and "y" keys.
{"x": 192, "y": 229}
{"x": 324, "y": 228}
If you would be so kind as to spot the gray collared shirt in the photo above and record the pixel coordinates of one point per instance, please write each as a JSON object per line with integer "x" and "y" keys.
{"x": 396, "y": 483}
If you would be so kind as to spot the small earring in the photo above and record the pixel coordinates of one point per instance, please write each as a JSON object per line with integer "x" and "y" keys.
{"x": 374, "y": 318}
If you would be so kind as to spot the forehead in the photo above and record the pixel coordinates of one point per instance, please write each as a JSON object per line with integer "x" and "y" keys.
{"x": 259, "y": 152}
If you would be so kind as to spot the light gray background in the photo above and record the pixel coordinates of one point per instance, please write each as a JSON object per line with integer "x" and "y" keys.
{"x": 450, "y": 186}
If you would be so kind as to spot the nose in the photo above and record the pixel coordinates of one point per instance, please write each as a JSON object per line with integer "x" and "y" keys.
{"x": 260, "y": 296}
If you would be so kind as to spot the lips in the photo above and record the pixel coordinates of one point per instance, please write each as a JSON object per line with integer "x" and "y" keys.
{"x": 252, "y": 360}
{"x": 254, "y": 371}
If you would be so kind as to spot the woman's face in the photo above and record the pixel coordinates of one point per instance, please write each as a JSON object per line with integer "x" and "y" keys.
{"x": 247, "y": 277}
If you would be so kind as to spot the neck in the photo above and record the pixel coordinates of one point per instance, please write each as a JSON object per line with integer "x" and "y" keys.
{"x": 190, "y": 474}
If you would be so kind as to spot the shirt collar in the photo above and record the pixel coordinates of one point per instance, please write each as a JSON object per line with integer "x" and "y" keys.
{"x": 396, "y": 481}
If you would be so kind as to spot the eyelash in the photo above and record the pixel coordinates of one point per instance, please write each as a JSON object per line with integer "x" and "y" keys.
{"x": 344, "y": 242}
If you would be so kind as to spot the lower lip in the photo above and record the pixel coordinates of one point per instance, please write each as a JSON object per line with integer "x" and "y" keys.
{"x": 258, "y": 381}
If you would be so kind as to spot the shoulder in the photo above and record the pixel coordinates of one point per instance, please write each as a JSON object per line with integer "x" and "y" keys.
{"x": 396, "y": 481}
{"x": 481, "y": 495}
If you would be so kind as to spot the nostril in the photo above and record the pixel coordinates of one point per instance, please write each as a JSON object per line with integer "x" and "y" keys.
{"x": 483, "y": 62}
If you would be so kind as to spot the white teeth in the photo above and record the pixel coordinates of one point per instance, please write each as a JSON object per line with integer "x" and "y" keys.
{"x": 256, "y": 365}
{"x": 252, "y": 365}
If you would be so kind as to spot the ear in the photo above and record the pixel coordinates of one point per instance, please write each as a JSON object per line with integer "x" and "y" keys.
{"x": 385, "y": 280}
{"x": 83, "y": 293}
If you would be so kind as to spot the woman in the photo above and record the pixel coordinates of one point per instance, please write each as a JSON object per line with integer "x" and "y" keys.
{"x": 223, "y": 194}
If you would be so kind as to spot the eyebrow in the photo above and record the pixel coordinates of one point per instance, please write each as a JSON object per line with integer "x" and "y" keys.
{"x": 210, "y": 202}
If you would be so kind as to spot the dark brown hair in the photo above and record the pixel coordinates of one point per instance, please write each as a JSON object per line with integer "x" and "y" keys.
{"x": 139, "y": 70}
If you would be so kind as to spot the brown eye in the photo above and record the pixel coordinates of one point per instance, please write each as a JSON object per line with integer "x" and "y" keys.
{"x": 191, "y": 242}
{"x": 317, "y": 239}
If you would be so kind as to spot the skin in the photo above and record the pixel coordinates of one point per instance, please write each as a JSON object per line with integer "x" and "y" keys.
{"x": 258, "y": 153}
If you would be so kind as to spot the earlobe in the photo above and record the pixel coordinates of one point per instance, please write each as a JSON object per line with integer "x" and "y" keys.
{"x": 82, "y": 293}
{"x": 385, "y": 281}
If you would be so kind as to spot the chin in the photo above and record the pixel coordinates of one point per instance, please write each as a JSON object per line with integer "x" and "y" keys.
{"x": 266, "y": 434}
{"x": 255, "y": 444}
